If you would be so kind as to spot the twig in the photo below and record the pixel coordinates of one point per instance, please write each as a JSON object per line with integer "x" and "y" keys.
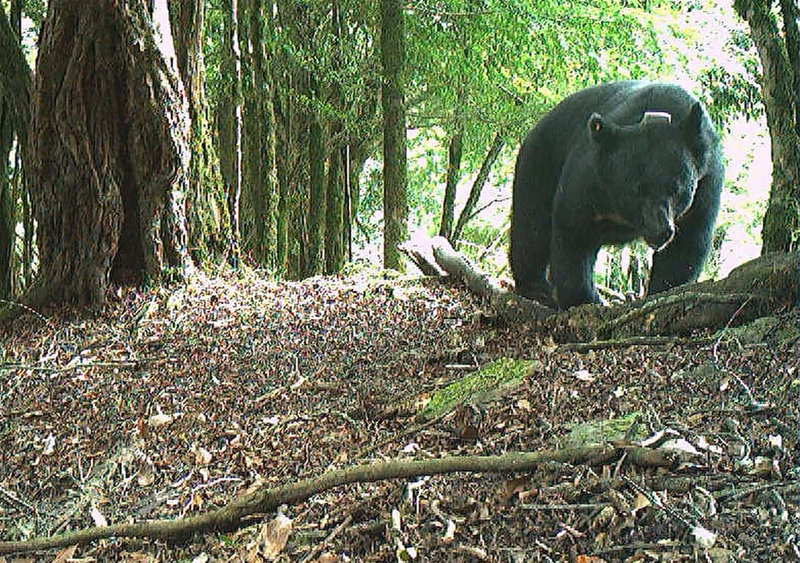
{"x": 13, "y": 498}
{"x": 549, "y": 507}
{"x": 319, "y": 547}
{"x": 619, "y": 343}
{"x": 413, "y": 430}
{"x": 732, "y": 495}
{"x": 26, "y": 308}
{"x": 642, "y": 546}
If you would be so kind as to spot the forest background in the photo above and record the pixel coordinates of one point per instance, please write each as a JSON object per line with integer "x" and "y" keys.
{"x": 304, "y": 136}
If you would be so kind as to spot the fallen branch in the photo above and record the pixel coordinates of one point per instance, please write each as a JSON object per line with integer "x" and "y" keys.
{"x": 261, "y": 500}
{"x": 445, "y": 258}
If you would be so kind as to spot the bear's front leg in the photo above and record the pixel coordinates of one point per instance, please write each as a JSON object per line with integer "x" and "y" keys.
{"x": 571, "y": 272}
{"x": 682, "y": 260}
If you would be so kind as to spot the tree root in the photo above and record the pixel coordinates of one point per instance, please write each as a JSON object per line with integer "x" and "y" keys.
{"x": 757, "y": 288}
{"x": 260, "y": 500}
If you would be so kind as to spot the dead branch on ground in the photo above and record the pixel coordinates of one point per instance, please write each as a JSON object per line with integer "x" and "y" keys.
{"x": 237, "y": 513}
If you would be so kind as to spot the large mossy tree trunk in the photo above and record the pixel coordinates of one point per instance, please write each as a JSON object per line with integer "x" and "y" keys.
{"x": 207, "y": 214}
{"x": 778, "y": 82}
{"x": 109, "y": 150}
{"x": 395, "y": 198}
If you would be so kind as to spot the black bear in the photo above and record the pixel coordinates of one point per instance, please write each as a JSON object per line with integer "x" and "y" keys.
{"x": 607, "y": 165}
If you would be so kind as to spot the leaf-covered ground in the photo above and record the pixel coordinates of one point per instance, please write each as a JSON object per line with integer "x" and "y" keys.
{"x": 173, "y": 402}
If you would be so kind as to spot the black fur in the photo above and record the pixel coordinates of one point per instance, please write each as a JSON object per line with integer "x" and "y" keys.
{"x": 591, "y": 173}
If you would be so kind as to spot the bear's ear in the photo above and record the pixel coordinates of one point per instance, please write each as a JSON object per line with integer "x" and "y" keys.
{"x": 697, "y": 132}
{"x": 597, "y": 127}
{"x": 692, "y": 125}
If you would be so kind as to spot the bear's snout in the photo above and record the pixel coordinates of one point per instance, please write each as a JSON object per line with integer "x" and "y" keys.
{"x": 659, "y": 240}
{"x": 659, "y": 226}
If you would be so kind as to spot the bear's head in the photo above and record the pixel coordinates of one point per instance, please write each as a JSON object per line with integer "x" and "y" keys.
{"x": 647, "y": 173}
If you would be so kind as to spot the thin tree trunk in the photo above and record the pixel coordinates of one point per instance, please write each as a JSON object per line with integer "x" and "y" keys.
{"x": 395, "y": 198}
{"x": 7, "y": 215}
{"x": 109, "y": 150}
{"x": 268, "y": 147}
{"x": 335, "y": 196}
{"x": 234, "y": 188}
{"x": 454, "y": 152}
{"x": 477, "y": 186}
{"x": 782, "y": 219}
{"x": 260, "y": 189}
{"x": 317, "y": 203}
{"x": 334, "y": 214}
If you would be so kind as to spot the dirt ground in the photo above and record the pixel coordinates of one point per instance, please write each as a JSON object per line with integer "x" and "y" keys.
{"x": 170, "y": 403}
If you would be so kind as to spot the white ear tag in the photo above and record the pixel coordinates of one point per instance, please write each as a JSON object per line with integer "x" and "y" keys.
{"x": 656, "y": 117}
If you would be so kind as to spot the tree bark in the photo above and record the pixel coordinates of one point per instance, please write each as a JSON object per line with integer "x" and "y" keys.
{"x": 108, "y": 151}
{"x": 15, "y": 84}
{"x": 395, "y": 199}
{"x": 207, "y": 213}
{"x": 7, "y": 214}
{"x": 477, "y": 187}
{"x": 317, "y": 195}
{"x": 454, "y": 152}
{"x": 234, "y": 84}
{"x": 334, "y": 213}
{"x": 791, "y": 15}
{"x": 778, "y": 81}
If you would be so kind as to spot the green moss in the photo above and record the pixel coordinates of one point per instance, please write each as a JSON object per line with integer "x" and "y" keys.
{"x": 599, "y": 432}
{"x": 488, "y": 382}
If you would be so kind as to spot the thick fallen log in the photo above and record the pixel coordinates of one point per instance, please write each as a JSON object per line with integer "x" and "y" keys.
{"x": 764, "y": 286}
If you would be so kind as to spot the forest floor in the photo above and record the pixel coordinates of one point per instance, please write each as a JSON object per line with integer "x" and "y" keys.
{"x": 169, "y": 403}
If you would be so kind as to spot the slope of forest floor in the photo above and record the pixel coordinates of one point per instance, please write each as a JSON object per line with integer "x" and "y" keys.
{"x": 168, "y": 403}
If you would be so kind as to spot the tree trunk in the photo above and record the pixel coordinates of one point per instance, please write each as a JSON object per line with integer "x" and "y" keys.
{"x": 395, "y": 202}
{"x": 454, "y": 153}
{"x": 782, "y": 219}
{"x": 791, "y": 14}
{"x": 15, "y": 83}
{"x": 477, "y": 187}
{"x": 109, "y": 150}
{"x": 207, "y": 213}
{"x": 259, "y": 186}
{"x": 234, "y": 187}
{"x": 334, "y": 214}
{"x": 267, "y": 217}
{"x": 317, "y": 203}
{"x": 7, "y": 215}
{"x": 337, "y": 154}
